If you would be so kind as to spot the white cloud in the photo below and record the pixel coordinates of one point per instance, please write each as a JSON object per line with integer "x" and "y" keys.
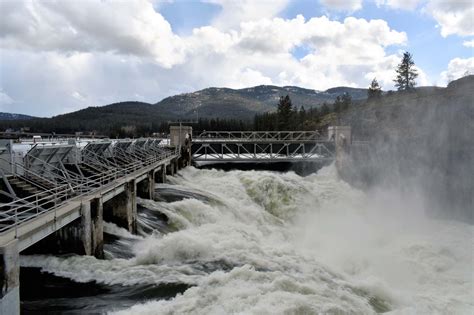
{"x": 454, "y": 17}
{"x": 457, "y": 68}
{"x": 339, "y": 52}
{"x": 94, "y": 58}
{"x": 126, "y": 27}
{"x": 235, "y": 12}
{"x": 399, "y": 4}
{"x": 468, "y": 43}
{"x": 343, "y": 5}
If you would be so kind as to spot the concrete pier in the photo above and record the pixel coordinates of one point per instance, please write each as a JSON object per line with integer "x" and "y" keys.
{"x": 146, "y": 188}
{"x": 10, "y": 279}
{"x": 175, "y": 166}
{"x": 160, "y": 176}
{"x": 122, "y": 209}
{"x": 170, "y": 169}
{"x": 97, "y": 227}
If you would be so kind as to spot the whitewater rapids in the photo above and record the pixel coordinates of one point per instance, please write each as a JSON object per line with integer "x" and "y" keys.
{"x": 257, "y": 242}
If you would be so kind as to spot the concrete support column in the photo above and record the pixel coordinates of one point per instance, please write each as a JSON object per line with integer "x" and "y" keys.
{"x": 122, "y": 209}
{"x": 151, "y": 184}
{"x": 170, "y": 169}
{"x": 146, "y": 188}
{"x": 175, "y": 166}
{"x": 84, "y": 242}
{"x": 10, "y": 279}
{"x": 160, "y": 177}
{"x": 97, "y": 227}
{"x": 163, "y": 173}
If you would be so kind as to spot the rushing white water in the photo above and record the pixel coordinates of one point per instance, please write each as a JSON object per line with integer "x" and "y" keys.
{"x": 255, "y": 242}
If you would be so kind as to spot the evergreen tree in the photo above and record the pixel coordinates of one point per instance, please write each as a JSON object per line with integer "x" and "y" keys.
{"x": 375, "y": 91}
{"x": 301, "y": 118}
{"x": 406, "y": 73}
{"x": 284, "y": 112}
{"x": 314, "y": 114}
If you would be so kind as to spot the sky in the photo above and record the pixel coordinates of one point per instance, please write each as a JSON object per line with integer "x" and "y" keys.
{"x": 61, "y": 56}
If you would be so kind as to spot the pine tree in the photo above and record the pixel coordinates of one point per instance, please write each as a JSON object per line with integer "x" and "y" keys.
{"x": 284, "y": 112}
{"x": 301, "y": 118}
{"x": 406, "y": 73}
{"x": 374, "y": 91}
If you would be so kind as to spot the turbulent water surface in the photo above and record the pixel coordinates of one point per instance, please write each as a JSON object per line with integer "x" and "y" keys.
{"x": 259, "y": 242}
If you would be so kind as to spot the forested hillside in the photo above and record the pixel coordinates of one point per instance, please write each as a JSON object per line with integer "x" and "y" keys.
{"x": 215, "y": 108}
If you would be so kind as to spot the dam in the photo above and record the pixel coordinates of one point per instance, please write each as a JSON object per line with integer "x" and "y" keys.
{"x": 55, "y": 195}
{"x": 109, "y": 216}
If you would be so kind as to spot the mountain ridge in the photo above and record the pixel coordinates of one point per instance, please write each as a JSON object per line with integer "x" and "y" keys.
{"x": 210, "y": 103}
{"x": 244, "y": 103}
{"x": 15, "y": 116}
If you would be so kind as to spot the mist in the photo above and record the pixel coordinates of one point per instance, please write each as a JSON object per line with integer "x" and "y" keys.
{"x": 401, "y": 226}
{"x": 386, "y": 241}
{"x": 421, "y": 146}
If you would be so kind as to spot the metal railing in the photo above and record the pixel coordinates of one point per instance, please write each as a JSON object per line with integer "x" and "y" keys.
{"x": 70, "y": 185}
{"x": 243, "y": 151}
{"x": 260, "y": 136}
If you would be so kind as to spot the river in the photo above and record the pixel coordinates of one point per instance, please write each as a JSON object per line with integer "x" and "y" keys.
{"x": 261, "y": 242}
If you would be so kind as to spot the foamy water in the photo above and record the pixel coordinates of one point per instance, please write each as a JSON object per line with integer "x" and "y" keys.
{"x": 255, "y": 242}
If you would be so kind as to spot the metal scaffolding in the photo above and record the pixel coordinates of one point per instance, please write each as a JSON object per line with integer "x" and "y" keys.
{"x": 49, "y": 175}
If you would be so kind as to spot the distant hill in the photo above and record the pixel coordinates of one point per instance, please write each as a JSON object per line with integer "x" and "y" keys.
{"x": 238, "y": 104}
{"x": 245, "y": 103}
{"x": 11, "y": 116}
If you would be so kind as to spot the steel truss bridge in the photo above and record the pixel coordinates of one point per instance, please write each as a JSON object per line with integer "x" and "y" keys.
{"x": 262, "y": 146}
{"x": 46, "y": 179}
